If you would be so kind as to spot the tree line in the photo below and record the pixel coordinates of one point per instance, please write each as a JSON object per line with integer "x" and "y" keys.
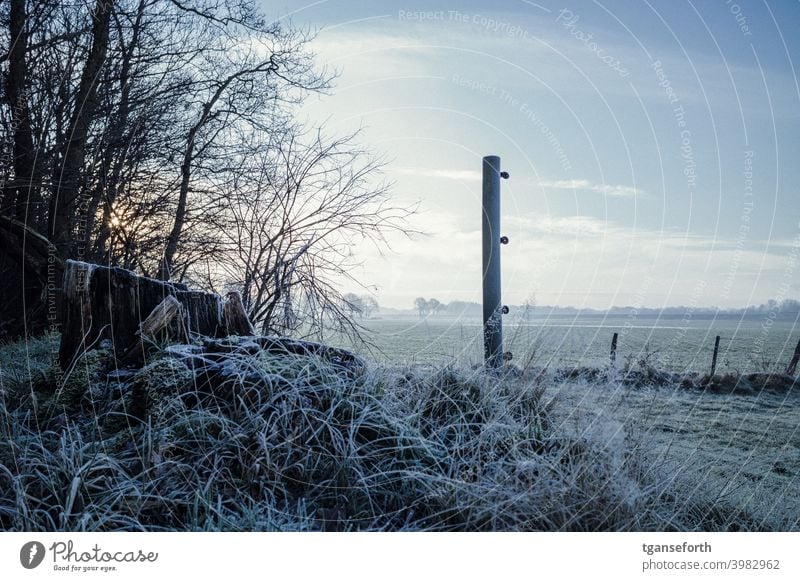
{"x": 160, "y": 136}
{"x": 772, "y": 308}
{"x": 427, "y": 307}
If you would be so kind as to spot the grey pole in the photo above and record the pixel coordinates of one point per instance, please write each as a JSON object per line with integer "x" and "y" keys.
{"x": 714, "y": 359}
{"x": 614, "y": 349}
{"x": 492, "y": 315}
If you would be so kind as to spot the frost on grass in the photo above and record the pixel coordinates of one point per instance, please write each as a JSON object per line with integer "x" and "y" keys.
{"x": 259, "y": 440}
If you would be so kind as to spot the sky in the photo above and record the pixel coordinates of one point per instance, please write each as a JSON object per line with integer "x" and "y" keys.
{"x": 652, "y": 146}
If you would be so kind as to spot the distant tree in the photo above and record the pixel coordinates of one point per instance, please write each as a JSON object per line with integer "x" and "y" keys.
{"x": 528, "y": 308}
{"x": 368, "y": 305}
{"x": 790, "y": 306}
{"x": 422, "y": 306}
{"x": 435, "y": 306}
{"x": 353, "y": 304}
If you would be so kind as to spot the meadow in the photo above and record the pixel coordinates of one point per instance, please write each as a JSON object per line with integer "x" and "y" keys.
{"x": 223, "y": 436}
{"x": 669, "y": 343}
{"x": 744, "y": 449}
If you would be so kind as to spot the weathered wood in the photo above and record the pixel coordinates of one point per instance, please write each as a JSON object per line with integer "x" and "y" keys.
{"x": 167, "y": 319}
{"x": 29, "y": 249}
{"x": 714, "y": 359}
{"x": 112, "y": 303}
{"x": 790, "y": 369}
{"x": 161, "y": 317}
{"x": 235, "y": 316}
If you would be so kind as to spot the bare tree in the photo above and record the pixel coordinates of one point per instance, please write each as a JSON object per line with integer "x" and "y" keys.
{"x": 158, "y": 135}
{"x": 17, "y": 191}
{"x": 353, "y": 304}
{"x": 298, "y": 213}
{"x": 233, "y": 98}
{"x": 72, "y": 149}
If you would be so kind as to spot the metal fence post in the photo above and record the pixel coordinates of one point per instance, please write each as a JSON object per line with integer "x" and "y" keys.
{"x": 492, "y": 308}
{"x": 714, "y": 359}
{"x": 614, "y": 349}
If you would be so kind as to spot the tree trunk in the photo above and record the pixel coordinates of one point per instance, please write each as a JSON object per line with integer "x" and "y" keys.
{"x": 116, "y": 152}
{"x": 67, "y": 174}
{"x": 23, "y": 189}
{"x": 32, "y": 273}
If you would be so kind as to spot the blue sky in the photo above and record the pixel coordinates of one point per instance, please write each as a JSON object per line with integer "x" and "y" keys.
{"x": 652, "y": 146}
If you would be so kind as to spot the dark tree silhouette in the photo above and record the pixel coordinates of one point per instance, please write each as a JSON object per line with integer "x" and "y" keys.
{"x": 130, "y": 131}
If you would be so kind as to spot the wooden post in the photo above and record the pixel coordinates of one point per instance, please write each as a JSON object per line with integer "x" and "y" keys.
{"x": 714, "y": 359}
{"x": 790, "y": 369}
{"x": 614, "y": 349}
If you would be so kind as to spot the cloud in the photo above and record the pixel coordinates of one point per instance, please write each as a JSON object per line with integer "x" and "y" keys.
{"x": 587, "y": 186}
{"x": 445, "y": 174}
{"x": 570, "y": 226}
{"x": 615, "y": 190}
{"x": 577, "y": 260}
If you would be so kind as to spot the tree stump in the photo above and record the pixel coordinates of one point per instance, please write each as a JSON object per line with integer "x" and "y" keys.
{"x": 112, "y": 303}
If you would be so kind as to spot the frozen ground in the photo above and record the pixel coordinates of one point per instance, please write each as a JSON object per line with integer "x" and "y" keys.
{"x": 746, "y": 448}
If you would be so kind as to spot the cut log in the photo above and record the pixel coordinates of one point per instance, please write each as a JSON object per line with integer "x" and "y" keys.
{"x": 112, "y": 303}
{"x": 236, "y": 321}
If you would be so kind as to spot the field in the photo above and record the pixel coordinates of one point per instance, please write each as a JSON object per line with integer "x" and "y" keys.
{"x": 671, "y": 344}
{"x": 746, "y": 448}
{"x": 219, "y": 436}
